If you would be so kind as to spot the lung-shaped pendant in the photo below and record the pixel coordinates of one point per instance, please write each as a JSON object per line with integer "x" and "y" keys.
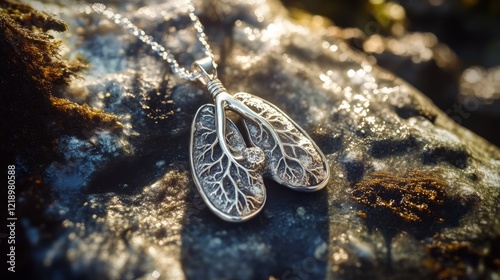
{"x": 228, "y": 171}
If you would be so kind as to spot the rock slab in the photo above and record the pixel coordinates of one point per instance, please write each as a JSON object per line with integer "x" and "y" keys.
{"x": 125, "y": 206}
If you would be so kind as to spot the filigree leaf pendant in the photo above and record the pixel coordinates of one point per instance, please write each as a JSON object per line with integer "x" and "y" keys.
{"x": 228, "y": 171}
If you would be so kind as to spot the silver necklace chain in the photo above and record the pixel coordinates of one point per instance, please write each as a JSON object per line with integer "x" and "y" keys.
{"x": 177, "y": 69}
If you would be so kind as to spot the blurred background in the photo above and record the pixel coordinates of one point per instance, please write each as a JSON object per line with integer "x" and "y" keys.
{"x": 448, "y": 49}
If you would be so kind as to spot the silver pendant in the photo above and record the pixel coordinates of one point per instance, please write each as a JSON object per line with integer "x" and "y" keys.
{"x": 227, "y": 172}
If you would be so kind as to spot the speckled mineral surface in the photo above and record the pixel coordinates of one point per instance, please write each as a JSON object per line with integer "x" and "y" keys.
{"x": 124, "y": 206}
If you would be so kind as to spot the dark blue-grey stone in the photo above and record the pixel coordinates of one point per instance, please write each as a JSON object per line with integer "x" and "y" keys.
{"x": 125, "y": 206}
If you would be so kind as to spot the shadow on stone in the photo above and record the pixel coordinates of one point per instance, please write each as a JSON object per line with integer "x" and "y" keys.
{"x": 129, "y": 175}
{"x": 458, "y": 158}
{"x": 355, "y": 170}
{"x": 328, "y": 144}
{"x": 287, "y": 240}
{"x": 387, "y": 147}
{"x": 407, "y": 112}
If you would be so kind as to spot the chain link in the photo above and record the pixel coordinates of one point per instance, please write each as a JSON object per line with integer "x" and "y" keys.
{"x": 159, "y": 49}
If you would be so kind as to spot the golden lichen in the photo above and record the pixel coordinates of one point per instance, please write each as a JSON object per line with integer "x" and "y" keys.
{"x": 451, "y": 259}
{"x": 414, "y": 197}
{"x": 30, "y": 67}
{"x": 29, "y": 52}
{"x": 70, "y": 114}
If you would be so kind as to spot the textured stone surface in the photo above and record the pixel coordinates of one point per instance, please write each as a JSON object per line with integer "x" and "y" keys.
{"x": 125, "y": 206}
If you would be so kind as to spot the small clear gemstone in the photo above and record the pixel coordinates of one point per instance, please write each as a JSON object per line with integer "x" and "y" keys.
{"x": 254, "y": 156}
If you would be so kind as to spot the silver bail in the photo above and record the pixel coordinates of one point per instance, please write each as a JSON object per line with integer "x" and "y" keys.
{"x": 207, "y": 69}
